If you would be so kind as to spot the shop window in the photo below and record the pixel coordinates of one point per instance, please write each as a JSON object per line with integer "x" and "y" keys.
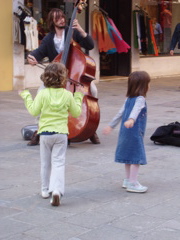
{"x": 154, "y": 24}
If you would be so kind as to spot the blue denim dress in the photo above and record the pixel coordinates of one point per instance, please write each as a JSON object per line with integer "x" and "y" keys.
{"x": 130, "y": 146}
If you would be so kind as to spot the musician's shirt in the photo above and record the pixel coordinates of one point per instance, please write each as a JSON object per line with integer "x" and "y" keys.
{"x": 59, "y": 43}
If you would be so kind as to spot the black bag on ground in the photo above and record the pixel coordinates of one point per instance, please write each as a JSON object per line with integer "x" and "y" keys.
{"x": 28, "y": 131}
{"x": 167, "y": 134}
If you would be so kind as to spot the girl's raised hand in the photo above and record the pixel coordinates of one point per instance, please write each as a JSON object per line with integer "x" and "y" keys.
{"x": 20, "y": 91}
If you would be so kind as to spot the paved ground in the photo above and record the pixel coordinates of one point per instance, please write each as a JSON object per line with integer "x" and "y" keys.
{"x": 94, "y": 207}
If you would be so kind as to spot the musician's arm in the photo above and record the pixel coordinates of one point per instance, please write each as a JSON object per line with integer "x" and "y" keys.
{"x": 40, "y": 52}
{"x": 81, "y": 37}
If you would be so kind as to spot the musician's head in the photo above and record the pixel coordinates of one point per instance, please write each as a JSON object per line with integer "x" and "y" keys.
{"x": 56, "y": 19}
{"x": 55, "y": 75}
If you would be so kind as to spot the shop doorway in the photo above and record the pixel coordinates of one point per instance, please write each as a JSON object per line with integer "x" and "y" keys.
{"x": 118, "y": 64}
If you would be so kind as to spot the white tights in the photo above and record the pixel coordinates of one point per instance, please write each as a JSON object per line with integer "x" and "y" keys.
{"x": 132, "y": 172}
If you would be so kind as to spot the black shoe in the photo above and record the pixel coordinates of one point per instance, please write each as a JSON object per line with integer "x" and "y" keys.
{"x": 34, "y": 140}
{"x": 95, "y": 139}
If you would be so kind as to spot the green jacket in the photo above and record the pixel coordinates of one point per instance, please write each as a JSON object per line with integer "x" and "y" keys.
{"x": 53, "y": 105}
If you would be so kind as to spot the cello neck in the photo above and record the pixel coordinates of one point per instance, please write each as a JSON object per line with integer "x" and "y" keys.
{"x": 79, "y": 5}
{"x": 68, "y": 38}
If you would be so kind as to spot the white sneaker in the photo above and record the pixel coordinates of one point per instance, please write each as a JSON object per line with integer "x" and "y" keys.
{"x": 45, "y": 194}
{"x": 56, "y": 197}
{"x": 125, "y": 183}
{"x": 136, "y": 187}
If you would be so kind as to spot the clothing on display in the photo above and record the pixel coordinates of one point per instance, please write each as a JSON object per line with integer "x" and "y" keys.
{"x": 108, "y": 37}
{"x": 144, "y": 38}
{"x": 25, "y": 29}
{"x": 31, "y": 33}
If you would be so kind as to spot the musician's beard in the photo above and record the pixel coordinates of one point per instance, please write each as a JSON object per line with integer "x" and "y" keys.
{"x": 61, "y": 27}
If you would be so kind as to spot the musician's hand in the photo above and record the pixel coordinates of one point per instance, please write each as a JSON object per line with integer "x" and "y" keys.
{"x": 31, "y": 60}
{"x": 77, "y": 26}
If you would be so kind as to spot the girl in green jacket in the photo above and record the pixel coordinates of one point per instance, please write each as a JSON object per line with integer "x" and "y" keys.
{"x": 53, "y": 104}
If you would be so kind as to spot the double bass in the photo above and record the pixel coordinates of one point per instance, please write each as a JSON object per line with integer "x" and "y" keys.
{"x": 81, "y": 70}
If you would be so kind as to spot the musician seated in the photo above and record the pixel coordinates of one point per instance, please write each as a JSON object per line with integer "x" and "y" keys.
{"x": 53, "y": 44}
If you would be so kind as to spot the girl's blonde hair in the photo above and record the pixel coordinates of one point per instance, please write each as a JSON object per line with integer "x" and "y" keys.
{"x": 138, "y": 82}
{"x": 55, "y": 75}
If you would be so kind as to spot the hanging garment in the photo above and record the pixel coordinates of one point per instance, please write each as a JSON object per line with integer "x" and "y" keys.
{"x": 34, "y": 33}
{"x": 112, "y": 50}
{"x": 153, "y": 41}
{"x": 136, "y": 45}
{"x": 150, "y": 47}
{"x": 28, "y": 45}
{"x": 16, "y": 29}
{"x": 31, "y": 33}
{"x": 22, "y": 16}
{"x": 100, "y": 32}
{"x": 138, "y": 30}
{"x": 143, "y": 33}
{"x": 121, "y": 45}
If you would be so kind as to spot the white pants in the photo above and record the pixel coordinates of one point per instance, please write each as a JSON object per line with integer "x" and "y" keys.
{"x": 52, "y": 154}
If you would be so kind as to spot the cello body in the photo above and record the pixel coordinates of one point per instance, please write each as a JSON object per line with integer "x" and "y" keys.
{"x": 82, "y": 68}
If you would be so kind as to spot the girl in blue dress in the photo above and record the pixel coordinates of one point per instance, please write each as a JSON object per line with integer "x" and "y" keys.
{"x": 130, "y": 147}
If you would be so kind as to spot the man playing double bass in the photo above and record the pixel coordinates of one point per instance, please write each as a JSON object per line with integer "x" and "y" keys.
{"x": 53, "y": 44}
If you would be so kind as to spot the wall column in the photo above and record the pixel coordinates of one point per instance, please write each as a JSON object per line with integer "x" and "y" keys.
{"x": 6, "y": 47}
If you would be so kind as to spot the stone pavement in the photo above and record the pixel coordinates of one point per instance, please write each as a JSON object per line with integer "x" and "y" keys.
{"x": 94, "y": 207}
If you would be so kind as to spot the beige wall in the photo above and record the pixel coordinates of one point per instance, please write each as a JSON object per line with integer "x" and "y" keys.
{"x": 6, "y": 46}
{"x": 160, "y": 66}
